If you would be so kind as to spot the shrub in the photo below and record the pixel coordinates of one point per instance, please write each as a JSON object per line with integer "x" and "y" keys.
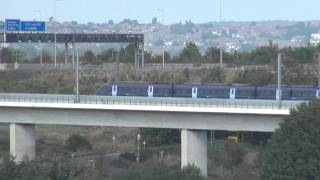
{"x": 129, "y": 156}
{"x": 159, "y": 171}
{"x": 76, "y": 142}
{"x": 159, "y": 137}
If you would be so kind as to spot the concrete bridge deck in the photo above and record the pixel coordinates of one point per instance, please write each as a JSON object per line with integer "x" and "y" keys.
{"x": 192, "y": 116}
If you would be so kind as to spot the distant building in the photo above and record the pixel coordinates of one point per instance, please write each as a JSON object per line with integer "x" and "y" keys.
{"x": 315, "y": 39}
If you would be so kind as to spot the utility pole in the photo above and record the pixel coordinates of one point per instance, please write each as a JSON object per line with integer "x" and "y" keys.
{"x": 163, "y": 48}
{"x": 212, "y": 137}
{"x": 66, "y": 53}
{"x": 163, "y": 59}
{"x": 55, "y": 32}
{"x": 118, "y": 66}
{"x": 221, "y": 56}
{"x": 41, "y": 54}
{"x": 77, "y": 80}
{"x": 138, "y": 147}
{"x": 318, "y": 67}
{"x": 279, "y": 90}
{"x": 221, "y": 46}
{"x": 40, "y": 46}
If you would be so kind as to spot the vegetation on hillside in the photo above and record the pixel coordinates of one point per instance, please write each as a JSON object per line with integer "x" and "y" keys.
{"x": 189, "y": 54}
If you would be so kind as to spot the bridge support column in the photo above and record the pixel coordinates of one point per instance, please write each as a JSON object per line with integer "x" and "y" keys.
{"x": 194, "y": 149}
{"x": 22, "y": 141}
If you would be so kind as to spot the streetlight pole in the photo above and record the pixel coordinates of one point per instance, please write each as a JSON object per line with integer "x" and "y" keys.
{"x": 55, "y": 32}
{"x": 77, "y": 80}
{"x": 221, "y": 50}
{"x": 317, "y": 56}
{"x": 40, "y": 47}
{"x": 118, "y": 66}
{"x": 138, "y": 153}
{"x": 41, "y": 54}
{"x": 279, "y": 90}
{"x": 113, "y": 143}
{"x": 163, "y": 48}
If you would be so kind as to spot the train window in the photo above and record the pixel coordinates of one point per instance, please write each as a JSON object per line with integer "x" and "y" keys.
{"x": 306, "y": 94}
{"x": 243, "y": 93}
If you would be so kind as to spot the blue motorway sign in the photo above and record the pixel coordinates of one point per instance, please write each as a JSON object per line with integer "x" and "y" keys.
{"x": 12, "y": 25}
{"x": 37, "y": 26}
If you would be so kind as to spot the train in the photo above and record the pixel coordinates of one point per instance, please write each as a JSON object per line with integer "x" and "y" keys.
{"x": 214, "y": 91}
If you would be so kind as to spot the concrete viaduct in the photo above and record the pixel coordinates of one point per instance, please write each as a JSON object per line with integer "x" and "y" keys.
{"x": 193, "y": 117}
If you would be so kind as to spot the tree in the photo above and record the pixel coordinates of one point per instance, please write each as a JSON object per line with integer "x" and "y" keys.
{"x": 212, "y": 55}
{"x": 127, "y": 54}
{"x": 107, "y": 55}
{"x": 154, "y": 20}
{"x": 293, "y": 151}
{"x": 212, "y": 75}
{"x": 7, "y": 55}
{"x": 89, "y": 57}
{"x": 76, "y": 142}
{"x": 161, "y": 136}
{"x": 8, "y": 169}
{"x": 190, "y": 53}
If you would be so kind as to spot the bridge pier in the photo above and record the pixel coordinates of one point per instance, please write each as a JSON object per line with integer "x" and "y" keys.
{"x": 194, "y": 149}
{"x": 22, "y": 141}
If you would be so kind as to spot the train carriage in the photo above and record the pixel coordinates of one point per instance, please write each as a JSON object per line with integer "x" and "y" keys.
{"x": 126, "y": 89}
{"x": 243, "y": 91}
{"x": 161, "y": 90}
{"x": 218, "y": 91}
{"x": 183, "y": 90}
{"x": 270, "y": 93}
{"x": 305, "y": 93}
{"x": 105, "y": 90}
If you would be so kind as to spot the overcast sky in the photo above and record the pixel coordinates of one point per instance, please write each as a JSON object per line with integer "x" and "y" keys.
{"x": 169, "y": 11}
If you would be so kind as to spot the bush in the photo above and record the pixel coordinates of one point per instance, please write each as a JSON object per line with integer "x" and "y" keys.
{"x": 76, "y": 142}
{"x": 145, "y": 155}
{"x": 159, "y": 171}
{"x": 159, "y": 137}
{"x": 49, "y": 167}
{"x": 293, "y": 151}
{"x": 227, "y": 154}
{"x": 129, "y": 156}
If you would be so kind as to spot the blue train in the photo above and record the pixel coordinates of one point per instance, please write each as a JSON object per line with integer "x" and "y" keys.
{"x": 219, "y": 91}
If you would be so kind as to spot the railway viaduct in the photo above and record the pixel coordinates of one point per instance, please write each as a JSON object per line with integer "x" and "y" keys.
{"x": 193, "y": 117}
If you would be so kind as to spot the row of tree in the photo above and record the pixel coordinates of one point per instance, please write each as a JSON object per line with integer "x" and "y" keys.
{"x": 189, "y": 54}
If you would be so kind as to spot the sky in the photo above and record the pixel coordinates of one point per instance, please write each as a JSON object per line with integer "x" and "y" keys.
{"x": 167, "y": 11}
